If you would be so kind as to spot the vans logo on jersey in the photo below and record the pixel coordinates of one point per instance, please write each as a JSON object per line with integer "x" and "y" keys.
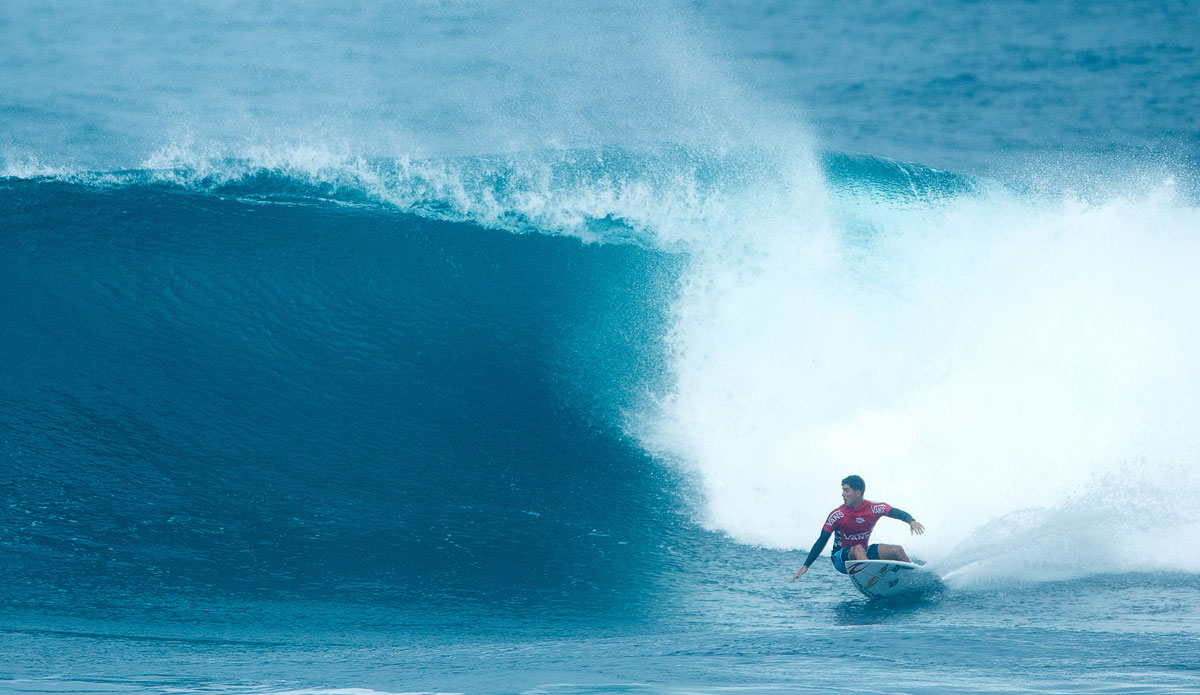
{"x": 879, "y": 509}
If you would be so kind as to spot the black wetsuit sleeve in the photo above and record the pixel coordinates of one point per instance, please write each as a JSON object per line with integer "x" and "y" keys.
{"x": 901, "y": 515}
{"x": 817, "y": 548}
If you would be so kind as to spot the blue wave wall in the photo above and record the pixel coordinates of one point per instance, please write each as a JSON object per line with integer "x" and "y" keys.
{"x": 203, "y": 393}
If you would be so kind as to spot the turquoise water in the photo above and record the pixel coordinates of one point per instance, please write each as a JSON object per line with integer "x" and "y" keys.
{"x": 452, "y": 347}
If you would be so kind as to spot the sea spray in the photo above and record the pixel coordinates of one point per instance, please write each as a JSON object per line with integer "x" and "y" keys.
{"x": 971, "y": 358}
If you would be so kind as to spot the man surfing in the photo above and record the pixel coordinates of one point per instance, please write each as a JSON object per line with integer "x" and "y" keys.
{"x": 851, "y": 525}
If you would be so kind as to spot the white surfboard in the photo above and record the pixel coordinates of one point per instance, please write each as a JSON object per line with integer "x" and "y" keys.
{"x": 890, "y": 578}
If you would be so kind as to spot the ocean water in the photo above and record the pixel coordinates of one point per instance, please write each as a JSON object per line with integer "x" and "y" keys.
{"x": 362, "y": 348}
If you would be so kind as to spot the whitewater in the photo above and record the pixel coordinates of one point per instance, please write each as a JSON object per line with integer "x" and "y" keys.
{"x": 439, "y": 347}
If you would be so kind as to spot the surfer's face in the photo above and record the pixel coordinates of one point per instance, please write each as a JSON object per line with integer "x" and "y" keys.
{"x": 851, "y": 496}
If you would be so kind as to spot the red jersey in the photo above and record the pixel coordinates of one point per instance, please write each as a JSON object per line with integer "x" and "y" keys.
{"x": 853, "y": 525}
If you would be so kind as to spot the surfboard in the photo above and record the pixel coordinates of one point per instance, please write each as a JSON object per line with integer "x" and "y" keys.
{"x": 892, "y": 578}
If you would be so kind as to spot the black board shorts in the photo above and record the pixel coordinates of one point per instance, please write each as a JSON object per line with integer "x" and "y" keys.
{"x": 840, "y": 556}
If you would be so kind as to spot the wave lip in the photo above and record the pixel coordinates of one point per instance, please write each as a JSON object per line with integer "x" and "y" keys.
{"x": 664, "y": 197}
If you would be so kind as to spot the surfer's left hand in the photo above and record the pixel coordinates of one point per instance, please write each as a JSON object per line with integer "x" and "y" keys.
{"x": 917, "y": 528}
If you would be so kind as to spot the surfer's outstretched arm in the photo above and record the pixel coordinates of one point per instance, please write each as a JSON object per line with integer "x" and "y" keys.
{"x": 814, "y": 553}
{"x": 907, "y": 518}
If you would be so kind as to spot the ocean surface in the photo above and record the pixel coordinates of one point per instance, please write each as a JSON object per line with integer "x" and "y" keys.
{"x": 521, "y": 347}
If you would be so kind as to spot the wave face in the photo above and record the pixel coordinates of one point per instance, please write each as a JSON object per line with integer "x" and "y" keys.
{"x": 205, "y": 390}
{"x": 528, "y": 380}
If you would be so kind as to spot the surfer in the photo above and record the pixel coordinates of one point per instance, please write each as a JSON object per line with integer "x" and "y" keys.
{"x": 851, "y": 525}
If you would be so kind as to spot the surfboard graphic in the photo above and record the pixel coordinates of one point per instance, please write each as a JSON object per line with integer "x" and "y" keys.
{"x": 890, "y": 578}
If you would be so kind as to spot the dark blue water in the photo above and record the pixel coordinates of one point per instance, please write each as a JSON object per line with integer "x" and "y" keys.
{"x": 428, "y": 347}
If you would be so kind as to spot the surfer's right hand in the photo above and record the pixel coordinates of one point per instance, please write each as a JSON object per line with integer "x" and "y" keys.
{"x": 800, "y": 573}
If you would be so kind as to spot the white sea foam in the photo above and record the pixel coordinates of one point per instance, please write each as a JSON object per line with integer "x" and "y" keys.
{"x": 971, "y": 359}
{"x": 29, "y": 167}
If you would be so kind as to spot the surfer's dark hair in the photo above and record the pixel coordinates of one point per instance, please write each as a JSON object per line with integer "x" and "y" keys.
{"x": 855, "y": 482}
